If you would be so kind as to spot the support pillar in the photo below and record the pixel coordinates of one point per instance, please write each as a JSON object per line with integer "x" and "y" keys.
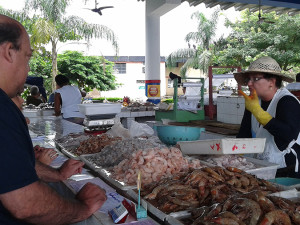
{"x": 153, "y": 58}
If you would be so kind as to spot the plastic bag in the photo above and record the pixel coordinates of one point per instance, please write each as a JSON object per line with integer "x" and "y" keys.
{"x": 118, "y": 130}
{"x": 140, "y": 129}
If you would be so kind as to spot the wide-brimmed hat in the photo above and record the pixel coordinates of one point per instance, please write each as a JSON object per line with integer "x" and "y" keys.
{"x": 264, "y": 64}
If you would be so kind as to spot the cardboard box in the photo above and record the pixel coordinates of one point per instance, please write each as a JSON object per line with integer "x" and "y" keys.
{"x": 223, "y": 146}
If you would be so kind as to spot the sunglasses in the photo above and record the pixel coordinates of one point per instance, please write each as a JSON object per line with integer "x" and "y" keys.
{"x": 253, "y": 79}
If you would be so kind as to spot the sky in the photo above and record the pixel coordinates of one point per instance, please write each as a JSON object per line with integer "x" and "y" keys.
{"x": 127, "y": 20}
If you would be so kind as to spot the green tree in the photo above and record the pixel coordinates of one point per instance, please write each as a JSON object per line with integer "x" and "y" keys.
{"x": 202, "y": 40}
{"x": 41, "y": 66}
{"x": 275, "y": 37}
{"x": 87, "y": 72}
{"x": 51, "y": 25}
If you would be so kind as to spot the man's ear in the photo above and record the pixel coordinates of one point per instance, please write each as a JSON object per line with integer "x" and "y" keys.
{"x": 8, "y": 52}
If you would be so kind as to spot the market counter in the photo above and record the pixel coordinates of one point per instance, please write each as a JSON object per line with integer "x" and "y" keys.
{"x": 43, "y": 130}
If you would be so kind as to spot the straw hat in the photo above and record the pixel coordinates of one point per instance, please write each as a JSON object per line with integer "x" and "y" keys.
{"x": 263, "y": 65}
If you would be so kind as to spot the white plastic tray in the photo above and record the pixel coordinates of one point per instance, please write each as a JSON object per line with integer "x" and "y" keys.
{"x": 100, "y": 108}
{"x": 106, "y": 175}
{"x": 90, "y": 164}
{"x": 265, "y": 170}
{"x": 223, "y": 146}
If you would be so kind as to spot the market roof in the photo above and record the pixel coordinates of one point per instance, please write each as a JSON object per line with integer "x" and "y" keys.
{"x": 288, "y": 6}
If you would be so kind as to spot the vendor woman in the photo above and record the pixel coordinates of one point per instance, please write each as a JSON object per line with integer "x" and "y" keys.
{"x": 272, "y": 112}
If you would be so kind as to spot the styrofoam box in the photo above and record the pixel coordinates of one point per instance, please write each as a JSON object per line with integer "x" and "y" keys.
{"x": 223, "y": 146}
{"x": 31, "y": 113}
{"x": 48, "y": 112}
{"x": 265, "y": 170}
{"x": 100, "y": 108}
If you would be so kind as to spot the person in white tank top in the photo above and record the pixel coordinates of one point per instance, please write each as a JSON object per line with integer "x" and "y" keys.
{"x": 66, "y": 100}
{"x": 272, "y": 112}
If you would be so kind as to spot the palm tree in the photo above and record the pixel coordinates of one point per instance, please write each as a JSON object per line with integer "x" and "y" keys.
{"x": 51, "y": 26}
{"x": 200, "y": 56}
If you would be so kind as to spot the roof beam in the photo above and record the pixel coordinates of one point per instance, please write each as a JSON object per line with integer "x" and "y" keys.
{"x": 269, "y": 5}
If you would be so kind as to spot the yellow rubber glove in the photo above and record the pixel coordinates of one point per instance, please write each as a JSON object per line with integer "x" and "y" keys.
{"x": 252, "y": 105}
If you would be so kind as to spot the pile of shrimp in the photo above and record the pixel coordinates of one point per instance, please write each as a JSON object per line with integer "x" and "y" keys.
{"x": 94, "y": 144}
{"x": 202, "y": 187}
{"x": 237, "y": 161}
{"x": 251, "y": 208}
{"x": 153, "y": 164}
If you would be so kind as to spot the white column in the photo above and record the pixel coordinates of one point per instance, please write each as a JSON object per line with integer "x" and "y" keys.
{"x": 152, "y": 47}
{"x": 154, "y": 10}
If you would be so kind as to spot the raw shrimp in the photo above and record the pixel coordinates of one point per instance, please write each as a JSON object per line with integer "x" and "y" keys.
{"x": 284, "y": 204}
{"x": 276, "y": 216}
{"x": 189, "y": 203}
{"x": 164, "y": 151}
{"x": 141, "y": 160}
{"x": 230, "y": 215}
{"x": 214, "y": 210}
{"x": 234, "y": 169}
{"x": 217, "y": 193}
{"x": 295, "y": 216}
{"x": 155, "y": 176}
{"x": 260, "y": 197}
{"x": 234, "y": 182}
{"x": 224, "y": 221}
{"x": 214, "y": 174}
{"x": 155, "y": 191}
{"x": 251, "y": 207}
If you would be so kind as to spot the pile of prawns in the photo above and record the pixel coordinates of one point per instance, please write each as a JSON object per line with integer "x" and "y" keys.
{"x": 216, "y": 195}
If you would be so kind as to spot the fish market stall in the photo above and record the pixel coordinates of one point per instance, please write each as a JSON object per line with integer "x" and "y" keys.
{"x": 44, "y": 132}
{"x": 186, "y": 182}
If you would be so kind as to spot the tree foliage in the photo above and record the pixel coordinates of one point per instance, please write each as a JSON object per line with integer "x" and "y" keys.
{"x": 250, "y": 40}
{"x": 41, "y": 66}
{"x": 50, "y": 25}
{"x": 87, "y": 72}
{"x": 202, "y": 40}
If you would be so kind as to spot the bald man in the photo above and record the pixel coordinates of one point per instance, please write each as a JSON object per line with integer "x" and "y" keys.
{"x": 24, "y": 197}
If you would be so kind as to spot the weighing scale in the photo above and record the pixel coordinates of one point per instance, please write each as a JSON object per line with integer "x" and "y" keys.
{"x": 98, "y": 124}
{"x": 99, "y": 117}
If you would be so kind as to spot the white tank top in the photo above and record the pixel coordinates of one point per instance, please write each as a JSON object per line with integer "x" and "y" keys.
{"x": 71, "y": 98}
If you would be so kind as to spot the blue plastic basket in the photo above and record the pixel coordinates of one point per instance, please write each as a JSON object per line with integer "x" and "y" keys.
{"x": 170, "y": 135}
{"x": 287, "y": 181}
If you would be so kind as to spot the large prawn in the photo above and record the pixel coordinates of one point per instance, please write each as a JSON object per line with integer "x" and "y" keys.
{"x": 276, "y": 216}
{"x": 251, "y": 207}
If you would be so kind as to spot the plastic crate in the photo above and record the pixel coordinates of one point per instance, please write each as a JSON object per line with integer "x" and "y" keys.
{"x": 265, "y": 170}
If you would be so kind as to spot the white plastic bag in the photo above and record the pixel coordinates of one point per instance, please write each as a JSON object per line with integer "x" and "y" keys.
{"x": 140, "y": 129}
{"x": 118, "y": 130}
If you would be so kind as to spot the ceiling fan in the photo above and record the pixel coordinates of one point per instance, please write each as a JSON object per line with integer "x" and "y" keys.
{"x": 260, "y": 18}
{"x": 99, "y": 10}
